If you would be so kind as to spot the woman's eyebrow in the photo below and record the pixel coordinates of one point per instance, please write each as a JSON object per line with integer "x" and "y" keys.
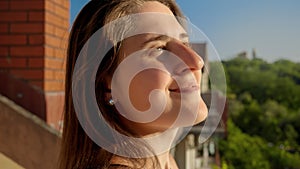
{"x": 156, "y": 38}
{"x": 182, "y": 37}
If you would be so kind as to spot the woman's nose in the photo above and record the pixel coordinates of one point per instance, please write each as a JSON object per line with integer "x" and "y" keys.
{"x": 192, "y": 61}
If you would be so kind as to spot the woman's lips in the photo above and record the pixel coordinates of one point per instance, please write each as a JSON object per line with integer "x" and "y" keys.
{"x": 186, "y": 89}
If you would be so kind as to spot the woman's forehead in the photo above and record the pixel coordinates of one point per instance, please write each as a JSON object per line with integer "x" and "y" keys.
{"x": 154, "y": 6}
{"x": 157, "y": 18}
{"x": 151, "y": 18}
{"x": 157, "y": 23}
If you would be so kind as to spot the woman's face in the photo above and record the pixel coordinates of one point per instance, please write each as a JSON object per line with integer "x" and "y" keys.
{"x": 169, "y": 85}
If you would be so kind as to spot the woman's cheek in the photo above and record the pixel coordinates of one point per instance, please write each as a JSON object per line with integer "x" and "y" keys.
{"x": 143, "y": 84}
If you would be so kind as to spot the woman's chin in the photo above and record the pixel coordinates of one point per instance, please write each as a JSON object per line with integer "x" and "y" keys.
{"x": 202, "y": 113}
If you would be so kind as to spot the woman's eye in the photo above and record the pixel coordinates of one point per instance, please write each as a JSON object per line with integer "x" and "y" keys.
{"x": 187, "y": 44}
{"x": 157, "y": 51}
{"x": 161, "y": 48}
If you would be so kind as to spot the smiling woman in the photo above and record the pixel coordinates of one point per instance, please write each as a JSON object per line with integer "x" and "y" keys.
{"x": 146, "y": 87}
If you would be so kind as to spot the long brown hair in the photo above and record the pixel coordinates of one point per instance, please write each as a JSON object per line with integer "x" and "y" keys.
{"x": 77, "y": 149}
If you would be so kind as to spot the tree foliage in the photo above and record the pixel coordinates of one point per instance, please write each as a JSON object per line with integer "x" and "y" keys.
{"x": 264, "y": 114}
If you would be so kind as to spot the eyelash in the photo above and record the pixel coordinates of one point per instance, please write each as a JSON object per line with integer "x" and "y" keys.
{"x": 187, "y": 44}
{"x": 162, "y": 47}
{"x": 155, "y": 51}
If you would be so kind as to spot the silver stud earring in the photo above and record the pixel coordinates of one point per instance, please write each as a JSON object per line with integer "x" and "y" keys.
{"x": 111, "y": 102}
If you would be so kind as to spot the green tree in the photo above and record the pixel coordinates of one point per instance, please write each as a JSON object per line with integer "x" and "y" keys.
{"x": 264, "y": 114}
{"x": 242, "y": 151}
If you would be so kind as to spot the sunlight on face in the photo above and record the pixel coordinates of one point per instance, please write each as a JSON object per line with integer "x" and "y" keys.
{"x": 169, "y": 89}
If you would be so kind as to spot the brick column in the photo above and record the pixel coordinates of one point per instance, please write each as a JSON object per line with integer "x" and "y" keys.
{"x": 33, "y": 36}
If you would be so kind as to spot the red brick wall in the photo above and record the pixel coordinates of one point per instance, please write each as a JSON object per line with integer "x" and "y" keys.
{"x": 56, "y": 31}
{"x": 33, "y": 36}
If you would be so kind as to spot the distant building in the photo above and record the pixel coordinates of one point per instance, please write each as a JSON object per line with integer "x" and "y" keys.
{"x": 243, "y": 55}
{"x": 254, "y": 56}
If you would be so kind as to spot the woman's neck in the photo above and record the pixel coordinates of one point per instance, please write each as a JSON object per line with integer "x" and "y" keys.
{"x": 161, "y": 143}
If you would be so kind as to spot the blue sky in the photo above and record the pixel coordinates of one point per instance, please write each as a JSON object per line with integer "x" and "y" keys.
{"x": 272, "y": 27}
